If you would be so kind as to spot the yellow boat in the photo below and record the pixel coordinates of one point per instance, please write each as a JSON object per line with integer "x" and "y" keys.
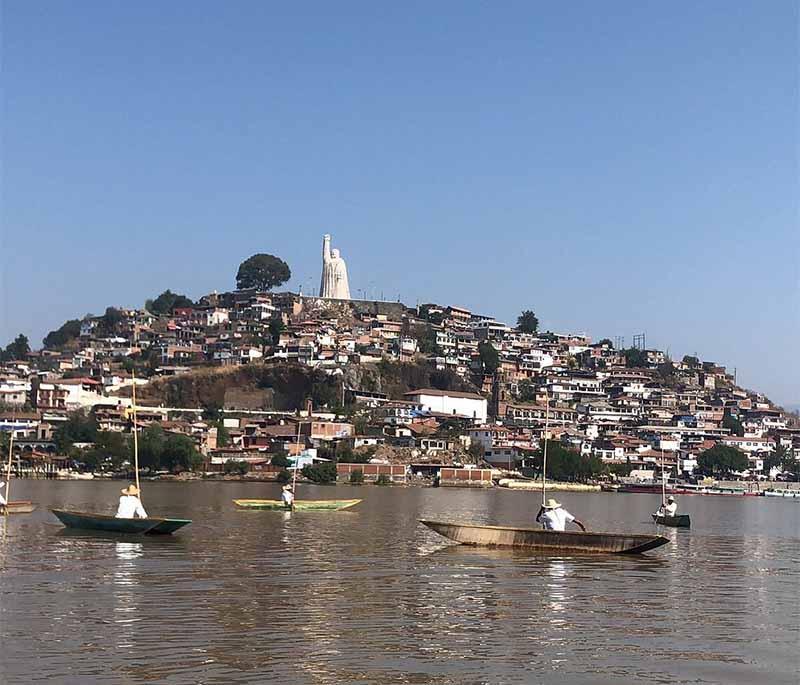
{"x": 302, "y": 505}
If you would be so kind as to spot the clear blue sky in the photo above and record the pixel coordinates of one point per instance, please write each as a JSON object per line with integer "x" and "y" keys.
{"x": 619, "y": 167}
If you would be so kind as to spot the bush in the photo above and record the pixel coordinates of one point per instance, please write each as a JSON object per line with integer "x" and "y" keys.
{"x": 320, "y": 473}
{"x": 284, "y": 476}
{"x": 383, "y": 479}
{"x": 356, "y": 477}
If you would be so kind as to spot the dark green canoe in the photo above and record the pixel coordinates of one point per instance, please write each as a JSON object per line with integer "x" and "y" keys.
{"x": 111, "y": 524}
{"x": 678, "y": 521}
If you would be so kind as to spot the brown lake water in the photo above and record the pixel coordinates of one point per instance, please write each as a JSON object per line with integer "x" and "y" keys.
{"x": 370, "y": 596}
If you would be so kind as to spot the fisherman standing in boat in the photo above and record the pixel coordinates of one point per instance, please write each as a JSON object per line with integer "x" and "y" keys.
{"x": 553, "y": 516}
{"x": 130, "y": 506}
{"x": 668, "y": 508}
{"x": 287, "y": 496}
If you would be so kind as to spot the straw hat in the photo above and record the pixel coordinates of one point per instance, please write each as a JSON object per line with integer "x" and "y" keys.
{"x": 130, "y": 490}
{"x": 670, "y": 499}
{"x": 552, "y": 504}
{"x": 287, "y": 487}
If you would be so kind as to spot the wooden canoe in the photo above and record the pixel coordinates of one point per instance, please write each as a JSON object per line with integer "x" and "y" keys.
{"x": 679, "y": 521}
{"x": 546, "y": 540}
{"x": 18, "y": 507}
{"x": 111, "y": 524}
{"x": 299, "y": 505}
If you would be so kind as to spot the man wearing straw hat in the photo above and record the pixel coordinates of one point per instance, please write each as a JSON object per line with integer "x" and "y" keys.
{"x": 553, "y": 516}
{"x": 130, "y": 506}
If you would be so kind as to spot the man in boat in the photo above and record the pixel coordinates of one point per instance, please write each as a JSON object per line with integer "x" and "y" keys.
{"x": 130, "y": 506}
{"x": 668, "y": 508}
{"x": 287, "y": 496}
{"x": 2, "y": 493}
{"x": 553, "y": 516}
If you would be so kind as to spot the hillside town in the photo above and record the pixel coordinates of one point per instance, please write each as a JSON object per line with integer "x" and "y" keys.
{"x": 407, "y": 390}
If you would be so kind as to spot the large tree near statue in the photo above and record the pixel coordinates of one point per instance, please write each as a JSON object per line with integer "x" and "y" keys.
{"x": 262, "y": 272}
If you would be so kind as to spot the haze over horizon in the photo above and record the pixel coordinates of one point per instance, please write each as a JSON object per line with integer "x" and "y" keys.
{"x": 618, "y": 169}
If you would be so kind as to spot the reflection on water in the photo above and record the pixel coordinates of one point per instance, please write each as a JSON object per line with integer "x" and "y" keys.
{"x": 369, "y": 595}
{"x": 125, "y": 586}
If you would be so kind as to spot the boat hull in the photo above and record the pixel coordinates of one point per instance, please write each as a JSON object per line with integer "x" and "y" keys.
{"x": 18, "y": 507}
{"x": 111, "y": 524}
{"x": 790, "y": 494}
{"x": 546, "y": 540}
{"x": 679, "y": 521}
{"x": 302, "y": 505}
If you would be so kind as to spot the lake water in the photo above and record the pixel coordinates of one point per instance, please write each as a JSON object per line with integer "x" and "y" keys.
{"x": 370, "y": 596}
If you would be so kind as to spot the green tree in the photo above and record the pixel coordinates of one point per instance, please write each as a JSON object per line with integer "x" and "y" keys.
{"x": 223, "y": 435}
{"x": 526, "y": 391}
{"x": 109, "y": 451}
{"x": 564, "y": 464}
{"x": 476, "y": 452}
{"x": 490, "y": 359}
{"x": 320, "y": 473}
{"x": 721, "y": 460}
{"x": 18, "y": 349}
{"x": 425, "y": 335}
{"x": 180, "y": 454}
{"x": 276, "y": 327}
{"x": 781, "y": 458}
{"x": 356, "y": 477}
{"x": 284, "y": 476}
{"x": 607, "y": 342}
{"x": 527, "y": 322}
{"x": 732, "y": 424}
{"x": 79, "y": 427}
{"x": 167, "y": 301}
{"x": 280, "y": 459}
{"x": 263, "y": 272}
{"x": 69, "y": 330}
{"x": 113, "y": 317}
{"x": 383, "y": 479}
{"x": 634, "y": 357}
{"x": 152, "y": 441}
{"x": 235, "y": 467}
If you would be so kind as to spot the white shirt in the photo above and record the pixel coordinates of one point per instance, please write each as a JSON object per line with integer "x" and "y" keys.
{"x": 2, "y": 492}
{"x": 669, "y": 509}
{"x": 556, "y": 519}
{"x": 288, "y": 497}
{"x": 130, "y": 507}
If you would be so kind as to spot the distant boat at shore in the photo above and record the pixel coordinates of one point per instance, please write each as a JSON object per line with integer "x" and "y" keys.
{"x": 782, "y": 492}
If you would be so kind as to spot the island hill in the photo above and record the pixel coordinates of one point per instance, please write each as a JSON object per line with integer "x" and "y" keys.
{"x": 243, "y": 380}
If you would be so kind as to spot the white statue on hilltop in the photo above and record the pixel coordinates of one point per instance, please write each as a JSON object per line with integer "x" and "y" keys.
{"x": 334, "y": 282}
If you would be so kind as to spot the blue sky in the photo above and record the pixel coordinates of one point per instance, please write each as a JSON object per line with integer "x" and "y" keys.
{"x": 618, "y": 167}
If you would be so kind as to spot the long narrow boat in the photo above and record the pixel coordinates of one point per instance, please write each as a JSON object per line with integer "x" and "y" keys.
{"x": 18, "y": 507}
{"x": 111, "y": 524}
{"x": 679, "y": 521}
{"x": 302, "y": 505}
{"x": 546, "y": 540}
{"x": 782, "y": 492}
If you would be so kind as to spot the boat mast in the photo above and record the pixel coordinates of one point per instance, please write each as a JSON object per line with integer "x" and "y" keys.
{"x": 663, "y": 482}
{"x": 544, "y": 451}
{"x": 8, "y": 471}
{"x": 135, "y": 433}
{"x": 297, "y": 457}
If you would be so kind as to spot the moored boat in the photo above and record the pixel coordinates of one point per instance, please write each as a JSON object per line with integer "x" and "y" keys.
{"x": 111, "y": 524}
{"x": 677, "y": 521}
{"x": 546, "y": 540}
{"x": 299, "y": 505}
{"x": 782, "y": 492}
{"x": 18, "y": 507}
